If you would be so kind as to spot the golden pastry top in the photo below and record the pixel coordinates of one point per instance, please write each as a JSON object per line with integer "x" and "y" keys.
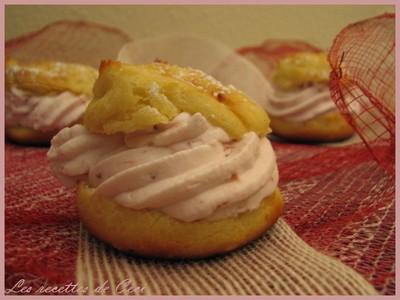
{"x": 47, "y": 77}
{"x": 301, "y": 69}
{"x": 132, "y": 97}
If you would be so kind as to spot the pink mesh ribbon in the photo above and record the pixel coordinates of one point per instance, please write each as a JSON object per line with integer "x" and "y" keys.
{"x": 69, "y": 41}
{"x": 363, "y": 83}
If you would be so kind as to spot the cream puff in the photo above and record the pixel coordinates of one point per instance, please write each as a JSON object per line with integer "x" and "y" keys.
{"x": 299, "y": 102}
{"x": 170, "y": 163}
{"x": 43, "y": 97}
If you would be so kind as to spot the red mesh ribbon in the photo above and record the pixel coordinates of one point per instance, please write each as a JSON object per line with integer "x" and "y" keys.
{"x": 69, "y": 41}
{"x": 337, "y": 199}
{"x": 363, "y": 83}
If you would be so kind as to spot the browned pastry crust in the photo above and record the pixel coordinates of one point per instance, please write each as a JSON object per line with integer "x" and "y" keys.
{"x": 46, "y": 77}
{"x": 151, "y": 233}
{"x": 328, "y": 127}
{"x": 134, "y": 97}
{"x": 28, "y": 136}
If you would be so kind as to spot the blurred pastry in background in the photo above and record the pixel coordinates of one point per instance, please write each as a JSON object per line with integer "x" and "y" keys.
{"x": 43, "y": 97}
{"x": 299, "y": 103}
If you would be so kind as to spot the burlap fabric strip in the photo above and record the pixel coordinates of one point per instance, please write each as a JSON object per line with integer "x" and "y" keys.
{"x": 279, "y": 263}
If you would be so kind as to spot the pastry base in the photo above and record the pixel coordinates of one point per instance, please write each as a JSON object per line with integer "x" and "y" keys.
{"x": 28, "y": 136}
{"x": 328, "y": 127}
{"x": 154, "y": 234}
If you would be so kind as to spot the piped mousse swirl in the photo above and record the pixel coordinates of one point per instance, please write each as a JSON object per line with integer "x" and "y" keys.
{"x": 43, "y": 112}
{"x": 188, "y": 169}
{"x": 300, "y": 105}
{"x": 299, "y": 90}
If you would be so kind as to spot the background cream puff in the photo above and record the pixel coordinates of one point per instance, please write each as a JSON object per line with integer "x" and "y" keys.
{"x": 43, "y": 97}
{"x": 299, "y": 101}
